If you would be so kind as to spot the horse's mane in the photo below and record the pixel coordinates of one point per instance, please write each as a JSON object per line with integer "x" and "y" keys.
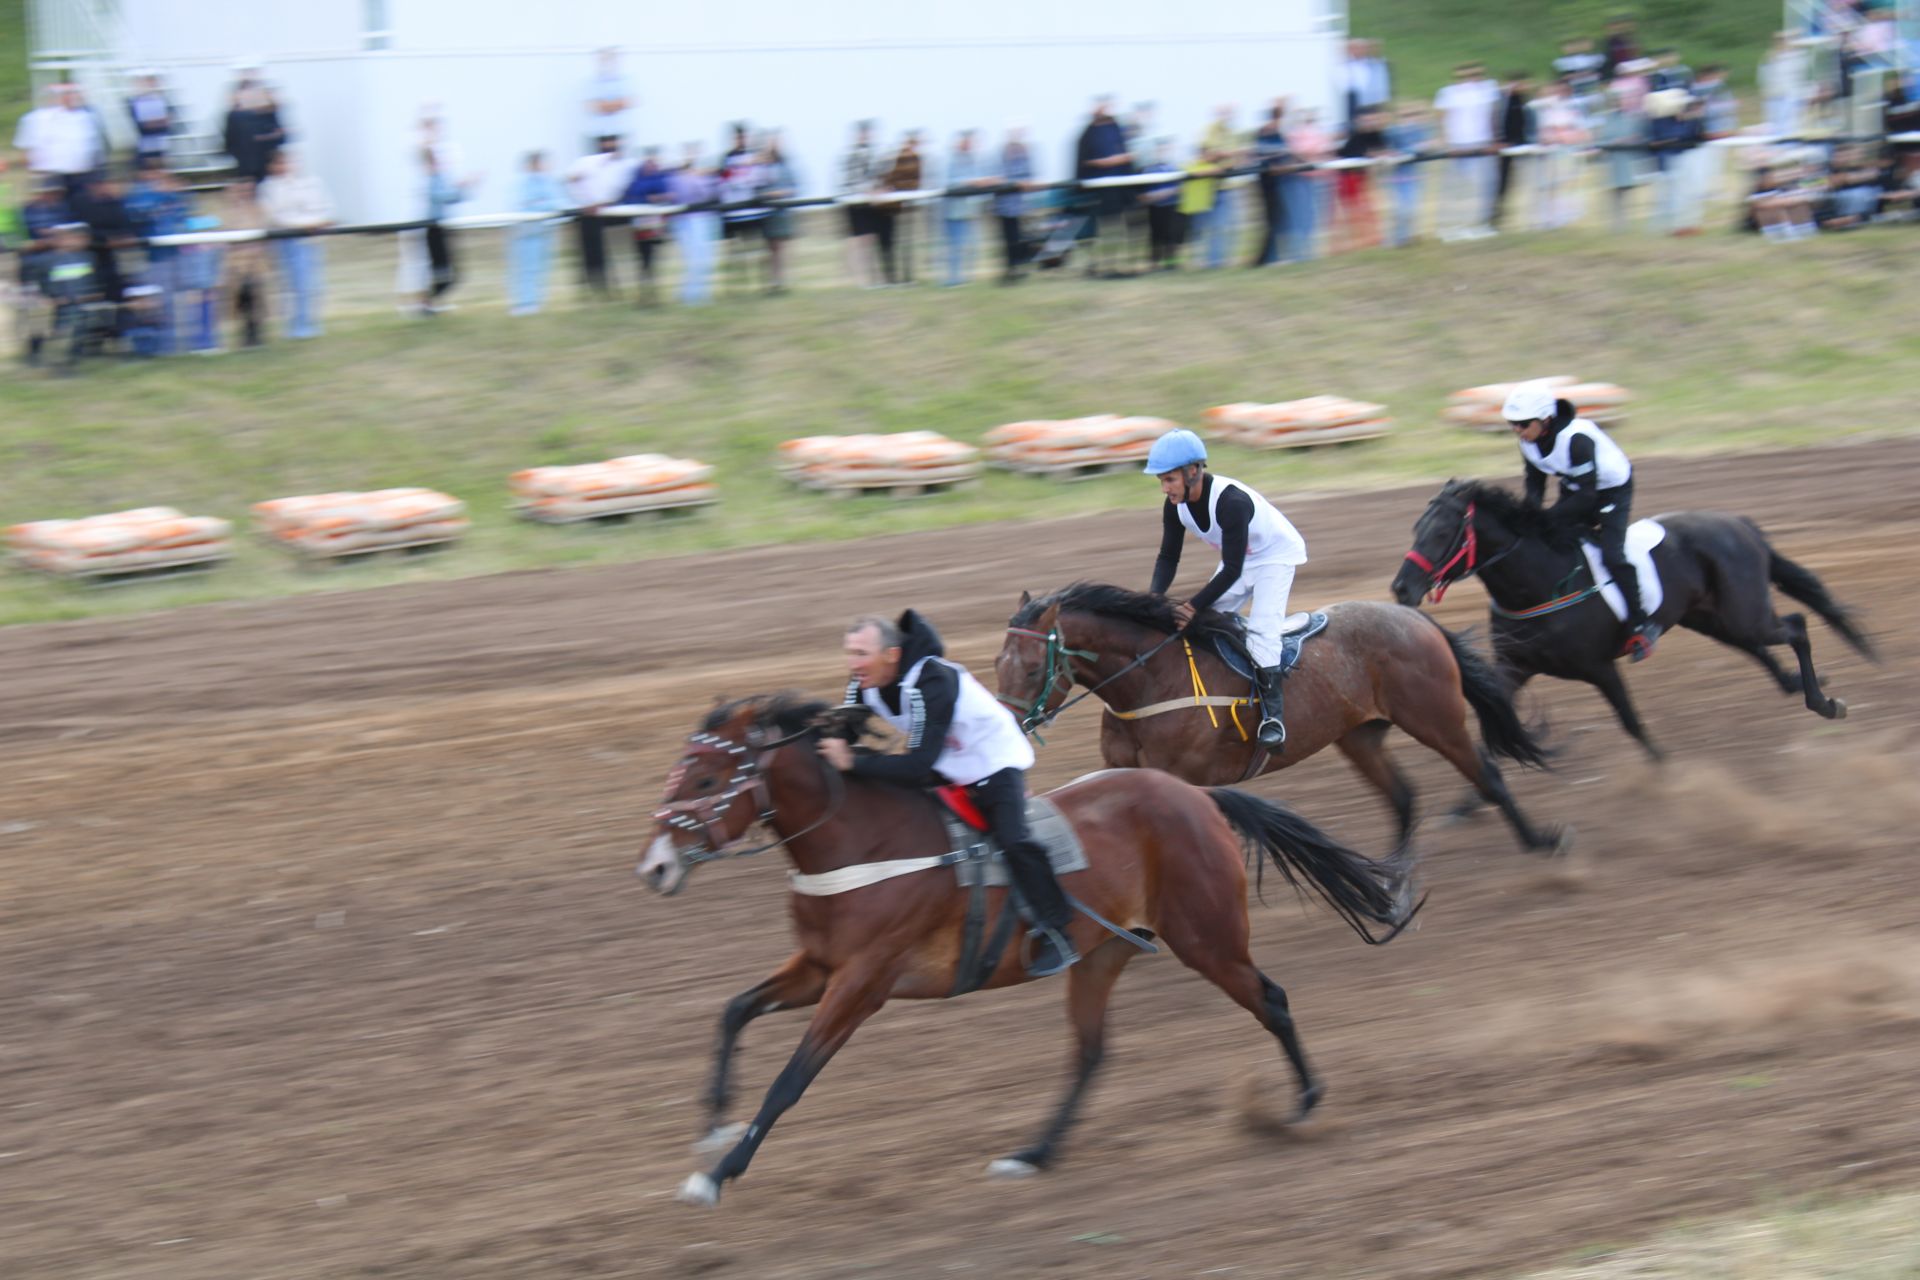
{"x": 784, "y": 713}
{"x": 1150, "y": 611}
{"x": 1509, "y": 508}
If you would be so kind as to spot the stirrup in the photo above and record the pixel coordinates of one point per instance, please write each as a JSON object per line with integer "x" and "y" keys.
{"x": 1639, "y": 645}
{"x": 1063, "y": 955}
{"x": 1279, "y": 733}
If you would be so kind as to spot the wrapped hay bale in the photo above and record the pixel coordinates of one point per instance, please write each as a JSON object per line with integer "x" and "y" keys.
{"x": 143, "y": 539}
{"x": 1290, "y": 424}
{"x": 1479, "y": 407}
{"x": 325, "y": 525}
{"x": 619, "y": 486}
{"x": 908, "y": 461}
{"x": 1070, "y": 446}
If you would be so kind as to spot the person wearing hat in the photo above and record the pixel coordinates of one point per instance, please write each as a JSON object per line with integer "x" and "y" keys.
{"x": 1259, "y": 551}
{"x": 1596, "y": 490}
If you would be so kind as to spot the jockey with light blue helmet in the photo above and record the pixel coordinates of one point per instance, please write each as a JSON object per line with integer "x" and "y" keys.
{"x": 1259, "y": 551}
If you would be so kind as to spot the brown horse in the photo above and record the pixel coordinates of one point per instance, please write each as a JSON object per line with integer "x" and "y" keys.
{"x": 1164, "y": 859}
{"x": 1167, "y": 694}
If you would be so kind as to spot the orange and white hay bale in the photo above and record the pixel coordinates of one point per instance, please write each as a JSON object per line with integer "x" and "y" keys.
{"x": 334, "y": 524}
{"x": 618, "y": 486}
{"x": 1294, "y": 423}
{"x": 120, "y": 542}
{"x": 1479, "y": 407}
{"x": 900, "y": 459}
{"x": 1097, "y": 440}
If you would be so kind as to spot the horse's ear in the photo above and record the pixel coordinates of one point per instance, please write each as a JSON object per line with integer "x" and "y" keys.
{"x": 1026, "y": 598}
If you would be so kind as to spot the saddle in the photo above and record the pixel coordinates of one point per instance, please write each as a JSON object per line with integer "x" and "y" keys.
{"x": 1642, "y": 537}
{"x": 1298, "y": 629}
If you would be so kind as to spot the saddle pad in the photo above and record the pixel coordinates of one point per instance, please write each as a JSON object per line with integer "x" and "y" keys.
{"x": 1299, "y": 628}
{"x": 1048, "y": 826}
{"x": 1642, "y": 537}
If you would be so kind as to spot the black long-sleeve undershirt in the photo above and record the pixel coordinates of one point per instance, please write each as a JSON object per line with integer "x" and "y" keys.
{"x": 931, "y": 704}
{"x": 1235, "y": 512}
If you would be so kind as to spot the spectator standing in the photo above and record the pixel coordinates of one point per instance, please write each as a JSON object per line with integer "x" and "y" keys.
{"x": 61, "y": 141}
{"x": 1165, "y": 226}
{"x": 1368, "y": 82}
{"x": 1468, "y": 108}
{"x": 892, "y": 224}
{"x": 648, "y": 186}
{"x": 158, "y": 207}
{"x": 1621, "y": 136}
{"x": 1674, "y": 128}
{"x": 198, "y": 268}
{"x": 152, "y": 117}
{"x": 444, "y": 191}
{"x": 859, "y": 177}
{"x": 244, "y": 272}
{"x": 1720, "y": 119}
{"x": 1199, "y": 196}
{"x": 594, "y": 181}
{"x": 778, "y": 181}
{"x": 1409, "y": 138}
{"x": 428, "y": 268}
{"x": 1275, "y": 163}
{"x": 1358, "y": 225}
{"x": 696, "y": 228}
{"x": 294, "y": 200}
{"x": 740, "y": 184}
{"x": 1561, "y": 128}
{"x": 1783, "y": 84}
{"x": 253, "y": 129}
{"x": 1009, "y": 207}
{"x": 103, "y": 207}
{"x": 1516, "y": 130}
{"x": 530, "y": 244}
{"x": 609, "y": 100}
{"x": 44, "y": 211}
{"x": 1308, "y": 191}
{"x": 1580, "y": 67}
{"x": 1223, "y": 148}
{"x": 1102, "y": 153}
{"x": 1622, "y": 46}
{"x": 959, "y": 214}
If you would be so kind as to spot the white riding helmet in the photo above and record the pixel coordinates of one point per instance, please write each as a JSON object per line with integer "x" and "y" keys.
{"x": 1529, "y": 400}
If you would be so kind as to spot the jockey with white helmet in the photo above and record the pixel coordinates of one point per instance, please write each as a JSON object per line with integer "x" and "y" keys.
{"x": 1259, "y": 551}
{"x": 1596, "y": 489}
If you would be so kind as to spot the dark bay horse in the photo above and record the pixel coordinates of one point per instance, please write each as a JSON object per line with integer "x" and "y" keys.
{"x": 1375, "y": 666}
{"x": 1547, "y": 620}
{"x": 1165, "y": 859}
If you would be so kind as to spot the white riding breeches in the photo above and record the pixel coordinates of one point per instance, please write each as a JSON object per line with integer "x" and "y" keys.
{"x": 1267, "y": 586}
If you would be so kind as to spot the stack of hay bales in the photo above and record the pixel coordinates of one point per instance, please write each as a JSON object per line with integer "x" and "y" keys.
{"x": 1479, "y": 407}
{"x": 904, "y": 463}
{"x": 1072, "y": 447}
{"x": 142, "y": 540}
{"x": 327, "y": 525}
{"x": 1291, "y": 424}
{"x": 617, "y": 487}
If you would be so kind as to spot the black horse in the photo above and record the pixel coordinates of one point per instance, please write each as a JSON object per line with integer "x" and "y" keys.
{"x": 1549, "y": 620}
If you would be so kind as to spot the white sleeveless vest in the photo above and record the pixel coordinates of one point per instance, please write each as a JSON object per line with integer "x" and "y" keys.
{"x": 1609, "y": 470}
{"x": 983, "y": 739}
{"x": 1271, "y": 538}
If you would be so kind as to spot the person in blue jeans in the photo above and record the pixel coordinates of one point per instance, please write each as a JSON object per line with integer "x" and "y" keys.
{"x": 1409, "y": 137}
{"x": 158, "y": 207}
{"x": 295, "y": 201}
{"x": 530, "y": 244}
{"x": 960, "y": 213}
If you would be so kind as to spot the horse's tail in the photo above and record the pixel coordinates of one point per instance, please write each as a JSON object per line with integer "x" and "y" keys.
{"x": 1491, "y": 697}
{"x": 1799, "y": 582}
{"x": 1360, "y": 890}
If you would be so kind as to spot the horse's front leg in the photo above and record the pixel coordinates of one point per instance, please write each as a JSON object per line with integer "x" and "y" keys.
{"x": 796, "y": 984}
{"x": 853, "y": 994}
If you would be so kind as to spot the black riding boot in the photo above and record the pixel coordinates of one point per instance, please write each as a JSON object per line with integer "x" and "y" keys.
{"x": 1002, "y": 797}
{"x": 1273, "y": 731}
{"x": 1641, "y": 630}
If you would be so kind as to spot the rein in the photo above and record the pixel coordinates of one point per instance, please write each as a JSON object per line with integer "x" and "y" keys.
{"x": 1033, "y": 716}
{"x": 1444, "y": 577}
{"x": 698, "y": 817}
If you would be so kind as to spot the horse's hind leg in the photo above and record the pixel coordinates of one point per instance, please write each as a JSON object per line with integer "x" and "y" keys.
{"x": 1792, "y": 630}
{"x": 1221, "y": 958}
{"x": 794, "y": 985}
{"x": 1089, "y": 986}
{"x": 1477, "y": 765}
{"x": 1714, "y": 629}
{"x": 1366, "y": 749}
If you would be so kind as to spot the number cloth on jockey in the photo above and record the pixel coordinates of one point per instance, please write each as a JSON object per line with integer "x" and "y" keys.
{"x": 1259, "y": 550}
{"x": 956, "y": 731}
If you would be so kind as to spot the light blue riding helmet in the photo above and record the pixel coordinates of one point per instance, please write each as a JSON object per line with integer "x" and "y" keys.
{"x": 1176, "y": 449}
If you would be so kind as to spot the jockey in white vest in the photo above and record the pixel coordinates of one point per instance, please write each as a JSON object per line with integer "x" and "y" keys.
{"x": 1596, "y": 490}
{"x": 957, "y": 733}
{"x": 1259, "y": 550}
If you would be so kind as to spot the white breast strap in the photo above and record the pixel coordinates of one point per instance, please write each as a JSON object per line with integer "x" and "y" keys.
{"x": 827, "y": 883}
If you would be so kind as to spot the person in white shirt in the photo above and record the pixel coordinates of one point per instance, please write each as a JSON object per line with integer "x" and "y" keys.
{"x": 609, "y": 100}
{"x": 1467, "y": 108}
{"x": 61, "y": 140}
{"x": 1561, "y": 127}
{"x": 592, "y": 182}
{"x": 295, "y": 201}
{"x": 1783, "y": 83}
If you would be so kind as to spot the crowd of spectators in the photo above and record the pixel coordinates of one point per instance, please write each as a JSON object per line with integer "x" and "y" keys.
{"x": 96, "y": 262}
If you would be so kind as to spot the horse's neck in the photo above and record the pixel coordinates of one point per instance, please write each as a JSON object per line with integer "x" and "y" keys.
{"x": 1118, "y": 648}
{"x": 869, "y": 821}
{"x": 1524, "y": 571}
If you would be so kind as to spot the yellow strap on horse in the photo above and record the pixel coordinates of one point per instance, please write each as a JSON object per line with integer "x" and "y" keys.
{"x": 1200, "y": 698}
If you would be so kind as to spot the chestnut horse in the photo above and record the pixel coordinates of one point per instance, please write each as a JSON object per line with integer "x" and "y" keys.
{"x": 874, "y": 921}
{"x": 1375, "y": 666}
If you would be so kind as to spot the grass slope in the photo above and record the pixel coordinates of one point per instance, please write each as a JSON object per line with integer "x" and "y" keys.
{"x": 1425, "y": 38}
{"x": 1728, "y": 342}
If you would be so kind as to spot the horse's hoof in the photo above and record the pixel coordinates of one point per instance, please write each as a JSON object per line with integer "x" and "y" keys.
{"x": 1836, "y": 709}
{"x": 1309, "y": 1099}
{"x": 1561, "y": 845}
{"x": 1012, "y": 1167}
{"x": 700, "y": 1190}
{"x": 722, "y": 1137}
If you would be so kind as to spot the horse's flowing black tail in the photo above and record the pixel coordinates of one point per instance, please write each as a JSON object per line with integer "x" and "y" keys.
{"x": 1799, "y": 582}
{"x": 1501, "y": 728}
{"x": 1360, "y": 890}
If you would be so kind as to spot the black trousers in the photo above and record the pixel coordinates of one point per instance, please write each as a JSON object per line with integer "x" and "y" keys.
{"x": 1013, "y": 247}
{"x": 885, "y": 234}
{"x": 440, "y": 260}
{"x": 1273, "y": 212}
{"x": 1002, "y": 798}
{"x": 1167, "y": 231}
{"x": 593, "y": 253}
{"x": 644, "y": 249}
{"x": 1500, "y": 191}
{"x": 1610, "y": 535}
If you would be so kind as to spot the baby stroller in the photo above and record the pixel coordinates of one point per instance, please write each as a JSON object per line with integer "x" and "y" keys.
{"x": 1061, "y": 229}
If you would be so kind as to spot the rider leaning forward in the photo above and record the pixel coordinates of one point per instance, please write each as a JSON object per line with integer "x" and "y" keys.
{"x": 956, "y": 732}
{"x": 1259, "y": 550}
{"x": 1596, "y": 490}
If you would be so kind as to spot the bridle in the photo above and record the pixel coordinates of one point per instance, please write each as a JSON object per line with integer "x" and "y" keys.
{"x": 699, "y": 816}
{"x": 1059, "y": 666}
{"x": 1469, "y": 551}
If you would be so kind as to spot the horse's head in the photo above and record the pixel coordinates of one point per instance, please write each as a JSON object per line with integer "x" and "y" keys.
{"x": 718, "y": 789}
{"x": 1445, "y": 546}
{"x": 1034, "y": 671}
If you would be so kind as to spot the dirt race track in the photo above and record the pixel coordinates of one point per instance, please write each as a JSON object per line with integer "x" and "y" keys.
{"x": 321, "y": 952}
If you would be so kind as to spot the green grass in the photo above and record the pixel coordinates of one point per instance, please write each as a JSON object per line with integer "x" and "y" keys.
{"x": 1728, "y": 343}
{"x": 16, "y": 93}
{"x": 1876, "y": 1239}
{"x": 1425, "y": 38}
